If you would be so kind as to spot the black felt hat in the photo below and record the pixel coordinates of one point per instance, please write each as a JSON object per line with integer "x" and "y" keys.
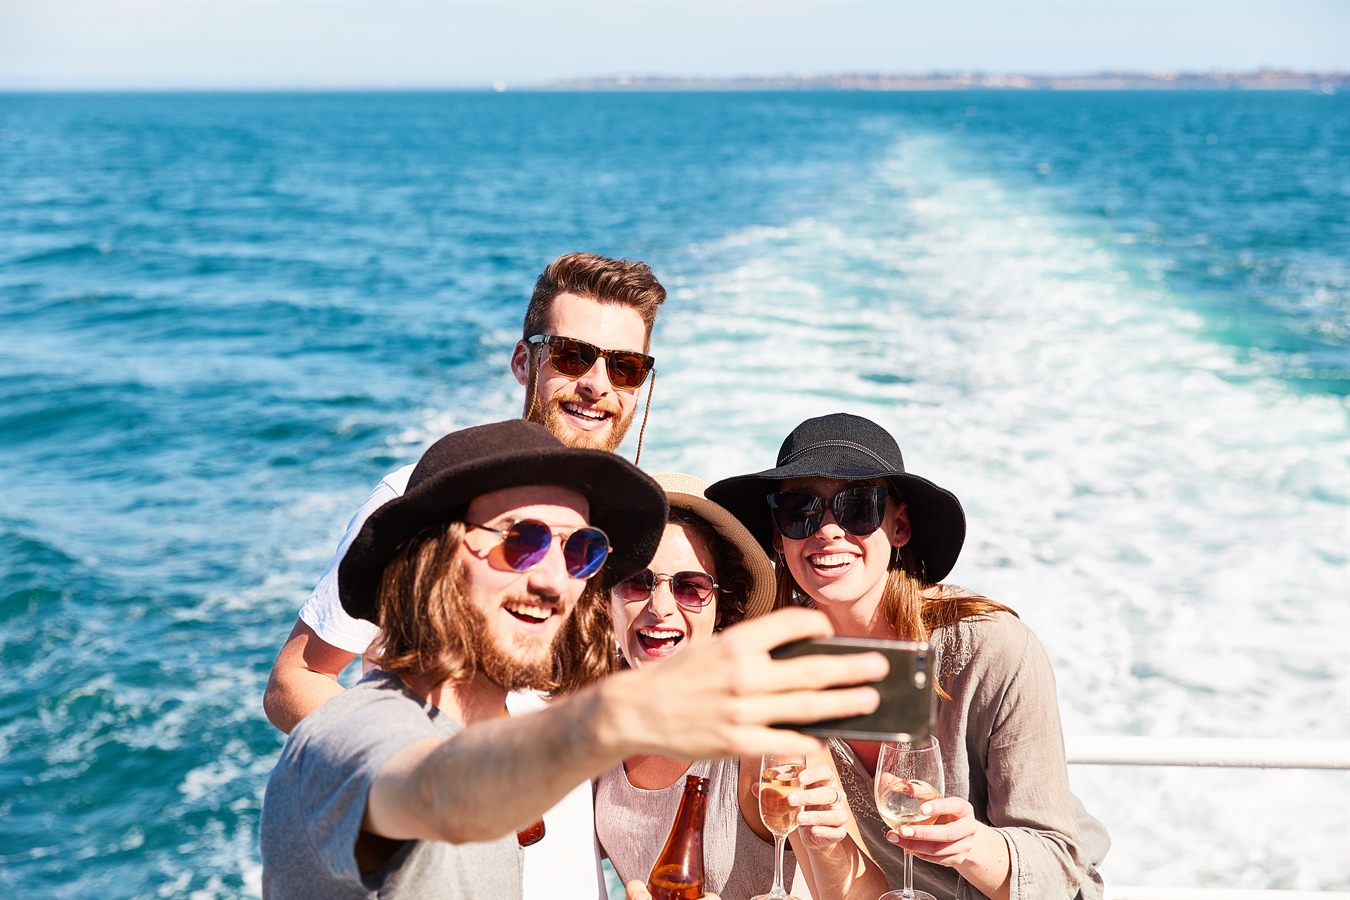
{"x": 625, "y": 503}
{"x": 851, "y": 448}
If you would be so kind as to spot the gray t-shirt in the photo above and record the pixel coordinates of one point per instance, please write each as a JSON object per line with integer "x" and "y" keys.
{"x": 316, "y": 797}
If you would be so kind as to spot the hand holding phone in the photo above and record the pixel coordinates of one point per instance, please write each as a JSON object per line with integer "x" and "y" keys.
{"x": 906, "y": 709}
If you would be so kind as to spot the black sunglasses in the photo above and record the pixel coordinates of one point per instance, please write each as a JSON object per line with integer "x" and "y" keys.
{"x": 571, "y": 358}
{"x": 526, "y": 543}
{"x": 858, "y": 510}
{"x": 690, "y": 589}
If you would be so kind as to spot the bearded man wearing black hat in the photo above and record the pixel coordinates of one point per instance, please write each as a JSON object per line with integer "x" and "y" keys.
{"x": 415, "y": 782}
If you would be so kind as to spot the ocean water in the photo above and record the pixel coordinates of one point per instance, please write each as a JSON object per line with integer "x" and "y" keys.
{"x": 1117, "y": 325}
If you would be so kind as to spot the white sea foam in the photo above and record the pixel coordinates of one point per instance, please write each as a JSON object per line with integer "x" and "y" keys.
{"x": 1171, "y": 521}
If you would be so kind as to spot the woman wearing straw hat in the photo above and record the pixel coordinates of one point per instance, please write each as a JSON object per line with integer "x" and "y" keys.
{"x": 708, "y": 573}
{"x": 868, "y": 544}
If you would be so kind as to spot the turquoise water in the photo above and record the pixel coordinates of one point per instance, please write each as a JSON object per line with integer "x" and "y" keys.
{"x": 1117, "y": 325}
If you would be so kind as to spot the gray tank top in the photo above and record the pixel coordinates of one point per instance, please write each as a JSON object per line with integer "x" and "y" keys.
{"x": 633, "y": 825}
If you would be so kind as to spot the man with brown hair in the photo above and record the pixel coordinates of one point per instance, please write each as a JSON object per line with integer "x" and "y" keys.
{"x": 581, "y": 358}
{"x": 583, "y": 294}
{"x": 480, "y": 577}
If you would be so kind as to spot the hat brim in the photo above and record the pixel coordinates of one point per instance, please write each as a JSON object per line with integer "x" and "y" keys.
{"x": 937, "y": 521}
{"x": 687, "y": 492}
{"x": 624, "y": 502}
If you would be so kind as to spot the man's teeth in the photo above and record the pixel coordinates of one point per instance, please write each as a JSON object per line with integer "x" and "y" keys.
{"x": 536, "y": 613}
{"x": 596, "y": 414}
{"x": 831, "y": 559}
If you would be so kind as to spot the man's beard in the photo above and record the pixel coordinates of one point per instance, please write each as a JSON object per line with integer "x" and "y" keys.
{"x": 499, "y": 666}
{"x": 552, "y": 417}
{"x": 550, "y": 414}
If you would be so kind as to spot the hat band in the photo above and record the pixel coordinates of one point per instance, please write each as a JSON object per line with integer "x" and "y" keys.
{"x": 849, "y": 444}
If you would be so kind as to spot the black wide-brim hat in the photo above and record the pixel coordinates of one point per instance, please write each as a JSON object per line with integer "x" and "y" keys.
{"x": 624, "y": 502}
{"x": 851, "y": 448}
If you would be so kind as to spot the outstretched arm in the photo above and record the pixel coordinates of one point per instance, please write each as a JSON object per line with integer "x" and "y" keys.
{"x": 303, "y": 677}
{"x": 715, "y": 699}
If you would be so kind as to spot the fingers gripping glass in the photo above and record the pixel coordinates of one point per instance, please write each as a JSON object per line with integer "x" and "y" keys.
{"x": 526, "y": 543}
{"x": 572, "y": 358}
{"x": 858, "y": 510}
{"x": 690, "y": 589}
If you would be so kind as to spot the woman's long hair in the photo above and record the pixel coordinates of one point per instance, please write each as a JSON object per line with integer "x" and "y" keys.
{"x": 913, "y": 609}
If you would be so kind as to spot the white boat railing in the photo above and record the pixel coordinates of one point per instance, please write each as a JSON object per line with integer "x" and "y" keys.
{"x": 1210, "y": 753}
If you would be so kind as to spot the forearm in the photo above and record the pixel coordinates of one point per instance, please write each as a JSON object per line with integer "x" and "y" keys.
{"x": 841, "y": 871}
{"x": 298, "y": 693}
{"x": 303, "y": 678}
{"x": 491, "y": 779}
{"x": 988, "y": 865}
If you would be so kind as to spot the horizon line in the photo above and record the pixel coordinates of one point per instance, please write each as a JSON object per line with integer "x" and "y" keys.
{"x": 1265, "y": 77}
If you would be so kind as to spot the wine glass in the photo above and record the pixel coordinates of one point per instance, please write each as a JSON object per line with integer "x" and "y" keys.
{"x": 779, "y": 776}
{"x": 908, "y": 775}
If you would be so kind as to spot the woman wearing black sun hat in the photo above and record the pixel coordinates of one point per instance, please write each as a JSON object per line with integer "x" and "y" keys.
{"x": 868, "y": 544}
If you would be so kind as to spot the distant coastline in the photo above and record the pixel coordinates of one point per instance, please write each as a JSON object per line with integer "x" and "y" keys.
{"x": 1268, "y": 79}
{"x": 1260, "y": 80}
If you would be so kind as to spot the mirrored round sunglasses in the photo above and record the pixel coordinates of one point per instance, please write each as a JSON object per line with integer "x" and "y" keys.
{"x": 526, "y": 543}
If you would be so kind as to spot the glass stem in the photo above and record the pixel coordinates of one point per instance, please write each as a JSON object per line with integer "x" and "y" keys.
{"x": 908, "y": 892}
{"x": 777, "y": 889}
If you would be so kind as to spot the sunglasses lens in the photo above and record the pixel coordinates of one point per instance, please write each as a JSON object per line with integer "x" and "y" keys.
{"x": 859, "y": 510}
{"x": 796, "y": 513}
{"x": 627, "y": 371}
{"x": 585, "y": 552}
{"x": 526, "y": 544}
{"x": 571, "y": 358}
{"x": 639, "y": 587}
{"x": 691, "y": 588}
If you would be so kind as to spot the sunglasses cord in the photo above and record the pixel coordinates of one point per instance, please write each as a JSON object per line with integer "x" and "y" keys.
{"x": 645, "y": 412}
{"x": 533, "y": 384}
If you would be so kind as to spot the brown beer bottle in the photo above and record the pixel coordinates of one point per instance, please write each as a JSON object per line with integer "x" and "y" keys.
{"x": 531, "y": 834}
{"x": 678, "y": 873}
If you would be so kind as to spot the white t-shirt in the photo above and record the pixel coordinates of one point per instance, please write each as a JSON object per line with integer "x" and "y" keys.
{"x": 565, "y": 863}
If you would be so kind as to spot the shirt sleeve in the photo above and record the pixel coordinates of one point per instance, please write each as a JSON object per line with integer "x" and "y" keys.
{"x": 336, "y": 766}
{"x": 323, "y": 610}
{"x": 1027, "y": 773}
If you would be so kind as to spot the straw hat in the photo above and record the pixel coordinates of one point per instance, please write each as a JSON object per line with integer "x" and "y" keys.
{"x": 687, "y": 492}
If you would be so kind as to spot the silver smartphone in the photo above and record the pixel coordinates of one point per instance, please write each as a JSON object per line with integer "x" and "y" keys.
{"x": 906, "y": 710}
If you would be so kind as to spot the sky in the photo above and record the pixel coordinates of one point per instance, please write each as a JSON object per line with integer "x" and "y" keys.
{"x": 268, "y": 44}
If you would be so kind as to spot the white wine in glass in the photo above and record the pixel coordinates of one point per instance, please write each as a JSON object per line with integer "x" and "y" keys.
{"x": 908, "y": 775}
{"x": 779, "y": 776}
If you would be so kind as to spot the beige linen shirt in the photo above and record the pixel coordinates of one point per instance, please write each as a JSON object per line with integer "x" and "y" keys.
{"x": 1002, "y": 750}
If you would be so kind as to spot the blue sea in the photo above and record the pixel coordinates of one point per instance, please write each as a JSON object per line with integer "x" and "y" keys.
{"x": 1117, "y": 325}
